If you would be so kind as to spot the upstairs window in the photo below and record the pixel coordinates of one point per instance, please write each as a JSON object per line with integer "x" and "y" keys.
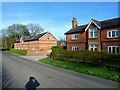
{"x": 113, "y": 34}
{"x": 93, "y": 32}
{"x": 93, "y": 47}
{"x": 48, "y": 37}
{"x": 113, "y": 49}
{"x": 75, "y": 36}
{"x": 74, "y": 48}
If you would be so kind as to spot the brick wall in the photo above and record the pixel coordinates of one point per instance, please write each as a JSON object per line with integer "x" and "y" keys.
{"x": 83, "y": 41}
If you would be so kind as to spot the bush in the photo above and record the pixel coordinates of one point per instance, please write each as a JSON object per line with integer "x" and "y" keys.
{"x": 20, "y": 52}
{"x": 86, "y": 56}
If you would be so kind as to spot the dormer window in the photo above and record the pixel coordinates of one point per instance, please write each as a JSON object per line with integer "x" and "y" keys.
{"x": 48, "y": 37}
{"x": 93, "y": 32}
{"x": 113, "y": 34}
{"x": 75, "y": 36}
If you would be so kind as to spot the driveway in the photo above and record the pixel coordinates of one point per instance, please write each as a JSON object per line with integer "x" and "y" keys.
{"x": 20, "y": 73}
{"x": 34, "y": 58}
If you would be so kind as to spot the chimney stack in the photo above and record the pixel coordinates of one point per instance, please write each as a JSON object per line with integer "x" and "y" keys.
{"x": 74, "y": 22}
{"x": 37, "y": 32}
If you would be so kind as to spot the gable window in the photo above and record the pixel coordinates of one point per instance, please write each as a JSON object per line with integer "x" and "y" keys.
{"x": 75, "y": 36}
{"x": 93, "y": 32}
{"x": 48, "y": 37}
{"x": 113, "y": 33}
{"x": 93, "y": 47}
{"x": 113, "y": 49}
{"x": 74, "y": 48}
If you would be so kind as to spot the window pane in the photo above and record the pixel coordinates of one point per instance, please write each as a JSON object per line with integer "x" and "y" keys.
{"x": 109, "y": 49}
{"x": 91, "y": 34}
{"x": 96, "y": 46}
{"x": 73, "y": 36}
{"x": 91, "y": 48}
{"x": 117, "y": 33}
{"x": 95, "y": 34}
{"x": 109, "y": 34}
{"x": 76, "y": 36}
{"x": 91, "y": 30}
{"x": 77, "y": 48}
{"x": 113, "y": 33}
{"x": 117, "y": 50}
{"x": 48, "y": 37}
{"x": 113, "y": 49}
{"x": 96, "y": 49}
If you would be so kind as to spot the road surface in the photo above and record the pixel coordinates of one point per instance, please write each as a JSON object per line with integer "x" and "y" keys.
{"x": 17, "y": 71}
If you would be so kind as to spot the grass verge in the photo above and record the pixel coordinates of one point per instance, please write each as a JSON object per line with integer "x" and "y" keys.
{"x": 101, "y": 72}
{"x": 18, "y": 52}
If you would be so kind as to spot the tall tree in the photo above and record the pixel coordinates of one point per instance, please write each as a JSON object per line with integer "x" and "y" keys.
{"x": 33, "y": 27}
{"x": 13, "y": 33}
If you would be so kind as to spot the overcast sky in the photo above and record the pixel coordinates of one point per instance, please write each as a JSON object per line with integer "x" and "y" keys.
{"x": 56, "y": 17}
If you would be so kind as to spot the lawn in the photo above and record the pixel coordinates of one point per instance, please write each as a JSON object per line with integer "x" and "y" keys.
{"x": 101, "y": 72}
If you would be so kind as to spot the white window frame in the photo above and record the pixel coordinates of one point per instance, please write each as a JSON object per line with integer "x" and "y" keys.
{"x": 112, "y": 34}
{"x": 74, "y": 36}
{"x": 74, "y": 48}
{"x": 93, "y": 46}
{"x": 112, "y": 49}
{"x": 47, "y": 37}
{"x": 93, "y": 32}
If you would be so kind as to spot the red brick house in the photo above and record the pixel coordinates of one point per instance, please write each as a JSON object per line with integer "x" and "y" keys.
{"x": 96, "y": 35}
{"x": 40, "y": 44}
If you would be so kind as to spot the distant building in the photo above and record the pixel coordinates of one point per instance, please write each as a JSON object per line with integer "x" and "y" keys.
{"x": 40, "y": 44}
{"x": 96, "y": 35}
{"x": 62, "y": 43}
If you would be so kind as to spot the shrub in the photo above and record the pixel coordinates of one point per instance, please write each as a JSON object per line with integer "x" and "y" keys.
{"x": 86, "y": 56}
{"x": 20, "y": 52}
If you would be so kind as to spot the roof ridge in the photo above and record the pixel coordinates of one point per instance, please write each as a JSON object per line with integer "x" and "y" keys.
{"x": 110, "y": 19}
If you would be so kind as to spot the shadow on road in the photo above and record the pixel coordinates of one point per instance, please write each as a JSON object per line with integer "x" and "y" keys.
{"x": 32, "y": 84}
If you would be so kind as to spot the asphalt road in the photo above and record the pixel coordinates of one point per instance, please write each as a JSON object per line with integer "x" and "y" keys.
{"x": 16, "y": 72}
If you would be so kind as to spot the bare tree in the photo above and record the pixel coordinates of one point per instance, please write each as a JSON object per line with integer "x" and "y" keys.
{"x": 33, "y": 27}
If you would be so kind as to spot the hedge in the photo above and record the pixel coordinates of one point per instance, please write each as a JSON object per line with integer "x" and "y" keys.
{"x": 86, "y": 56}
{"x": 20, "y": 52}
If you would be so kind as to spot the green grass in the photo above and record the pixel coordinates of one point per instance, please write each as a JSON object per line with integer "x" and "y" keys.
{"x": 18, "y": 52}
{"x": 101, "y": 72}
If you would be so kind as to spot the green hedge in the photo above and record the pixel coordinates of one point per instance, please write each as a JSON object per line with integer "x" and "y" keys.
{"x": 86, "y": 56}
{"x": 20, "y": 52}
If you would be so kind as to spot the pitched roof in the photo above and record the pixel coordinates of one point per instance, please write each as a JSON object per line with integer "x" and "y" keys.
{"x": 32, "y": 38}
{"x": 110, "y": 22}
{"x": 25, "y": 38}
{"x": 36, "y": 37}
{"x": 102, "y": 24}
{"x": 77, "y": 29}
